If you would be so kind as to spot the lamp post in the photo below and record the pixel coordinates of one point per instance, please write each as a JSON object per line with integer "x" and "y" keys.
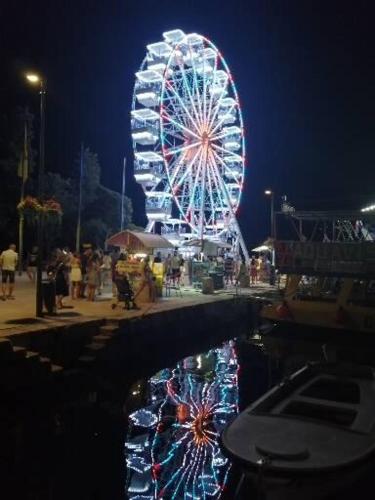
{"x": 269, "y": 192}
{"x": 37, "y": 80}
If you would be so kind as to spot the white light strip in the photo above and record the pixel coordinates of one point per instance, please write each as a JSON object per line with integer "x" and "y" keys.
{"x": 370, "y": 208}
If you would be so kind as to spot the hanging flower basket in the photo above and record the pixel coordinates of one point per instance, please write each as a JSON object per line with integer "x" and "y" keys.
{"x": 31, "y": 208}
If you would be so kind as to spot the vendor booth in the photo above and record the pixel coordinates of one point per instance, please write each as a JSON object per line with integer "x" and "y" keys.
{"x": 140, "y": 249}
{"x": 208, "y": 266}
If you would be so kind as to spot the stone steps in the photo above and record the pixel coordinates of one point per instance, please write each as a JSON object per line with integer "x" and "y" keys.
{"x": 111, "y": 329}
{"x": 101, "y": 338}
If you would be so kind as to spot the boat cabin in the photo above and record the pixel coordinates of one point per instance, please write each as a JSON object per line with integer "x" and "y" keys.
{"x": 328, "y": 284}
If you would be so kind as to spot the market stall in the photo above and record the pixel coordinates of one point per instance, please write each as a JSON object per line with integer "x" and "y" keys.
{"x": 208, "y": 262}
{"x": 139, "y": 250}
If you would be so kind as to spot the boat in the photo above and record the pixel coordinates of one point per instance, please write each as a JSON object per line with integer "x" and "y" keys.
{"x": 330, "y": 285}
{"x": 309, "y": 435}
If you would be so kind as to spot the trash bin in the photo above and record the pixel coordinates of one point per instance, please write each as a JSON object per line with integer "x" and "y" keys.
{"x": 207, "y": 285}
{"x": 49, "y": 295}
{"x": 244, "y": 281}
{"x": 218, "y": 280}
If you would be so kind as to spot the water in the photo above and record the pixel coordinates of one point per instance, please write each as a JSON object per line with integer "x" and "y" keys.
{"x": 173, "y": 448}
{"x": 175, "y": 416}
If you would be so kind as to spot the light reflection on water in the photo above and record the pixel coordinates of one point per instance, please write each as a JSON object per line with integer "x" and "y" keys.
{"x": 172, "y": 448}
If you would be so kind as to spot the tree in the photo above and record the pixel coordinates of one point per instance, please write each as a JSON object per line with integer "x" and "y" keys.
{"x": 65, "y": 191}
{"x": 101, "y": 207}
{"x": 12, "y": 135}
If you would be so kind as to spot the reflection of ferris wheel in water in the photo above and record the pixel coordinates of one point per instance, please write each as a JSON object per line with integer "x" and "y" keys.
{"x": 188, "y": 137}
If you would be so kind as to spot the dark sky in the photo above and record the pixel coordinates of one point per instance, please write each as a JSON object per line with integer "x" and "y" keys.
{"x": 304, "y": 71}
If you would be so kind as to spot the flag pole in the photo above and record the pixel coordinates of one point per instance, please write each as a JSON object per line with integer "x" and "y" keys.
{"x": 23, "y": 173}
{"x": 123, "y": 194}
{"x": 78, "y": 231}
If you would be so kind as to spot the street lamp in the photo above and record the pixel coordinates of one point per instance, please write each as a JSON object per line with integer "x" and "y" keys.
{"x": 269, "y": 193}
{"x": 36, "y": 79}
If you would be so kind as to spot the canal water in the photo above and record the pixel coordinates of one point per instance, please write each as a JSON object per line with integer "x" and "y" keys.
{"x": 175, "y": 415}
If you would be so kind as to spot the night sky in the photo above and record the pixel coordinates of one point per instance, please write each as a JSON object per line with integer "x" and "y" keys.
{"x": 304, "y": 71}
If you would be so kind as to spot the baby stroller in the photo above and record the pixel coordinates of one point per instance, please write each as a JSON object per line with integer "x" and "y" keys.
{"x": 124, "y": 292}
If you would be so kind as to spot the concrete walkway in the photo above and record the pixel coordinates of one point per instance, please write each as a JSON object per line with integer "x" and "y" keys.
{"x": 19, "y": 315}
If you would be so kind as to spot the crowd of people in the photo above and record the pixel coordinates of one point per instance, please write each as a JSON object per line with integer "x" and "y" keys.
{"x": 85, "y": 274}
{"x": 81, "y": 274}
{"x": 258, "y": 270}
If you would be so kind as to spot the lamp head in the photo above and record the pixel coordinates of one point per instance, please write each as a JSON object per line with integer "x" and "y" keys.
{"x": 268, "y": 192}
{"x": 33, "y": 78}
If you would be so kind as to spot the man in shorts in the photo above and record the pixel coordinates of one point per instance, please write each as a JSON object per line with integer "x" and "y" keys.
{"x": 8, "y": 265}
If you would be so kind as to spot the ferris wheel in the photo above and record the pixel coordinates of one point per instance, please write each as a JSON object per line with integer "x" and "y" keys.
{"x": 188, "y": 137}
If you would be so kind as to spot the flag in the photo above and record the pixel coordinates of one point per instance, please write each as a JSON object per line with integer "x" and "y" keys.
{"x": 23, "y": 166}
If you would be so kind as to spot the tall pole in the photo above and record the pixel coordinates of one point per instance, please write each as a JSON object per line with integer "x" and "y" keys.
{"x": 23, "y": 172}
{"x": 123, "y": 194}
{"x": 78, "y": 231}
{"x": 39, "y": 298}
{"x": 273, "y": 232}
{"x": 272, "y": 217}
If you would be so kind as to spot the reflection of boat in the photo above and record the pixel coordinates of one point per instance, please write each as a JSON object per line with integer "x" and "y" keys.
{"x": 330, "y": 285}
{"x": 305, "y": 434}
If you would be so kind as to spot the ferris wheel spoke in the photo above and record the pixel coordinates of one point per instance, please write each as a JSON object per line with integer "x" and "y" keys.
{"x": 171, "y": 108}
{"x": 217, "y": 183}
{"x": 224, "y": 187}
{"x": 204, "y": 91}
{"x": 225, "y": 166}
{"x": 211, "y": 195}
{"x": 182, "y": 104}
{"x": 188, "y": 168}
{"x": 203, "y": 189}
{"x": 180, "y": 114}
{"x": 197, "y": 176}
{"x": 174, "y": 105}
{"x": 220, "y": 148}
{"x": 181, "y": 148}
{"x": 188, "y": 92}
{"x": 211, "y": 95}
{"x": 174, "y": 169}
{"x": 196, "y": 85}
{"x": 180, "y": 125}
{"x": 215, "y": 109}
{"x": 221, "y": 121}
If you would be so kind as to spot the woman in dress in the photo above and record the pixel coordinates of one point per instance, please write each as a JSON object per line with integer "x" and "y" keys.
{"x": 75, "y": 276}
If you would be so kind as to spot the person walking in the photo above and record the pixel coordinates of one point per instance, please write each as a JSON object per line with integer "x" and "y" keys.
{"x": 92, "y": 277}
{"x": 32, "y": 258}
{"x": 253, "y": 270}
{"x": 175, "y": 268}
{"x": 8, "y": 265}
{"x": 61, "y": 282}
{"x": 228, "y": 270}
{"x": 259, "y": 262}
{"x": 106, "y": 269}
{"x": 75, "y": 276}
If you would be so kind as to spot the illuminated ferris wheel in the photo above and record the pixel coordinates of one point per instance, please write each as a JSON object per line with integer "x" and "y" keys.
{"x": 188, "y": 138}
